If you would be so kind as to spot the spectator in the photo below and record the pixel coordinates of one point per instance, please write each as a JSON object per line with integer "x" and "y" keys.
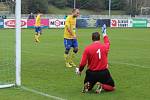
{"x": 31, "y": 16}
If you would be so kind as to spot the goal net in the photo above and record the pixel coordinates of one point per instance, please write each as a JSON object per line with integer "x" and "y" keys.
{"x": 10, "y": 52}
{"x": 7, "y": 58}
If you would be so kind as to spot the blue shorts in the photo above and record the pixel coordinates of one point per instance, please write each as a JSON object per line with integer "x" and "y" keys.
{"x": 38, "y": 30}
{"x": 70, "y": 43}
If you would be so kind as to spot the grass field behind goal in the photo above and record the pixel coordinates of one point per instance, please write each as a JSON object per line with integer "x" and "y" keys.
{"x": 44, "y": 76}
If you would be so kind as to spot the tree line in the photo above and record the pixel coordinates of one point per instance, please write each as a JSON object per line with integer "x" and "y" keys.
{"x": 129, "y": 7}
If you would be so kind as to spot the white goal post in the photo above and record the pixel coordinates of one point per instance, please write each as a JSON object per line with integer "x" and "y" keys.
{"x": 17, "y": 81}
{"x": 18, "y": 42}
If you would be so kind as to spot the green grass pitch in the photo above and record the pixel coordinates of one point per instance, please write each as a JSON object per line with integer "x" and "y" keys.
{"x": 43, "y": 67}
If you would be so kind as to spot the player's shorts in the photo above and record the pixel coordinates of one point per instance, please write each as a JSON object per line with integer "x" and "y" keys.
{"x": 38, "y": 30}
{"x": 68, "y": 43}
{"x": 102, "y": 76}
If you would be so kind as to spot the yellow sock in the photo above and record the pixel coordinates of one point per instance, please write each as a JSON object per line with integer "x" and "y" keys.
{"x": 38, "y": 35}
{"x": 66, "y": 56}
{"x": 37, "y": 38}
{"x": 71, "y": 57}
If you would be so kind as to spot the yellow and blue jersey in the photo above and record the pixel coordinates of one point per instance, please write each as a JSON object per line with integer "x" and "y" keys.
{"x": 38, "y": 28}
{"x": 70, "y": 23}
{"x": 38, "y": 21}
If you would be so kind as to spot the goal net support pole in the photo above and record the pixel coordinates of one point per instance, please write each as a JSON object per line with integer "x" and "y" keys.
{"x": 18, "y": 42}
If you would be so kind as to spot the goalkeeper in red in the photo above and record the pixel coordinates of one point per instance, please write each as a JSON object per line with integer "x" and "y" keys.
{"x": 70, "y": 39}
{"x": 95, "y": 56}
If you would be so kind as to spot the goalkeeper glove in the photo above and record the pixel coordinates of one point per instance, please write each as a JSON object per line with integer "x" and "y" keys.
{"x": 77, "y": 71}
{"x": 104, "y": 29}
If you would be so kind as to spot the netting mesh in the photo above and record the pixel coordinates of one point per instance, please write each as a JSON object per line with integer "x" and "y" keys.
{"x": 7, "y": 57}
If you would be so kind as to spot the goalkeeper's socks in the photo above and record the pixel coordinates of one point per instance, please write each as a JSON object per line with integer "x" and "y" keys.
{"x": 108, "y": 87}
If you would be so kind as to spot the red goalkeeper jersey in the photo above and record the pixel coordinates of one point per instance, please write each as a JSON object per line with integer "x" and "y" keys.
{"x": 95, "y": 55}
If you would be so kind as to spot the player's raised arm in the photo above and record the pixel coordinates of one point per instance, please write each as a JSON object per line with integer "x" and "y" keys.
{"x": 105, "y": 36}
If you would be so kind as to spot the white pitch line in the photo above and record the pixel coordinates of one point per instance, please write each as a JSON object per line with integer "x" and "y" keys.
{"x": 130, "y": 64}
{"x": 132, "y": 40}
{"x": 41, "y": 93}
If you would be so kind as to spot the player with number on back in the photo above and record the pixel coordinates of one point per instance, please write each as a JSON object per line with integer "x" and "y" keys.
{"x": 96, "y": 57}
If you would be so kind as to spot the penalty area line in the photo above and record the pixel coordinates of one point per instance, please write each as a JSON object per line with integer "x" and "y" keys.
{"x": 130, "y": 64}
{"x": 41, "y": 93}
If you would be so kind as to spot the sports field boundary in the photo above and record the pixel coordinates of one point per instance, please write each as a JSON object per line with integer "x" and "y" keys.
{"x": 41, "y": 93}
{"x": 130, "y": 64}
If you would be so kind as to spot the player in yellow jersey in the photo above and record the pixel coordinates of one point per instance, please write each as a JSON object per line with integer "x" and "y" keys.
{"x": 70, "y": 39}
{"x": 38, "y": 28}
